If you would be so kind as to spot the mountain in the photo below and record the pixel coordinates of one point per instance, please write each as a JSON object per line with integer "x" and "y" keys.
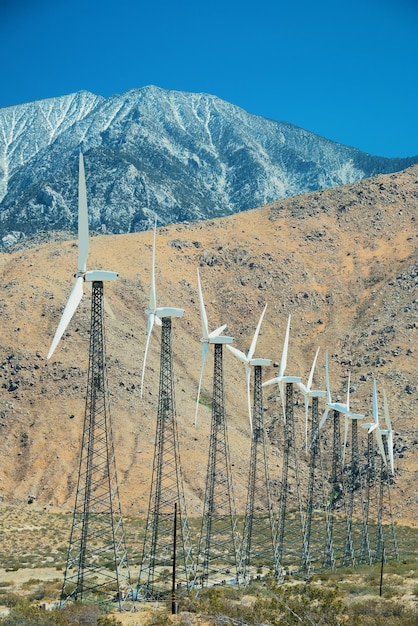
{"x": 343, "y": 262}
{"x": 184, "y": 156}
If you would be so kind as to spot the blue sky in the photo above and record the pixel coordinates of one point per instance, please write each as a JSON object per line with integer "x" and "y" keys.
{"x": 345, "y": 70}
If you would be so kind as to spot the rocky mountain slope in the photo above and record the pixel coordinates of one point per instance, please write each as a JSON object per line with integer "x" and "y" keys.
{"x": 184, "y": 156}
{"x": 343, "y": 262}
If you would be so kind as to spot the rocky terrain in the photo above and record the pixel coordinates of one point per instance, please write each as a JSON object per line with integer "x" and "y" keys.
{"x": 343, "y": 262}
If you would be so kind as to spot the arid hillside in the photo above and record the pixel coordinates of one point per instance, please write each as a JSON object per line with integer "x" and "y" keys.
{"x": 342, "y": 262}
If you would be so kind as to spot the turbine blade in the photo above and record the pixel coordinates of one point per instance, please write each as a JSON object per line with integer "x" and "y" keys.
{"x": 205, "y": 348}
{"x": 374, "y": 404}
{"x": 281, "y": 387}
{"x": 217, "y": 331}
{"x": 272, "y": 381}
{"x": 372, "y": 428}
{"x": 151, "y": 320}
{"x": 345, "y": 437}
{"x": 83, "y": 220}
{"x": 205, "y": 330}
{"x": 306, "y": 421}
{"x": 327, "y": 378}
{"x": 257, "y": 332}
{"x": 108, "y": 308}
{"x": 310, "y": 379}
{"x": 390, "y": 451}
{"x": 302, "y": 388}
{"x": 324, "y": 417}
{"x": 386, "y": 411}
{"x": 70, "y": 308}
{"x": 348, "y": 391}
{"x": 390, "y": 431}
{"x": 283, "y": 361}
{"x": 240, "y": 355}
{"x": 152, "y": 296}
{"x": 380, "y": 445}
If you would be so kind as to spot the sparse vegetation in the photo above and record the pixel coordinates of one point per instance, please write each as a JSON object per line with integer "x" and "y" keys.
{"x": 348, "y": 596}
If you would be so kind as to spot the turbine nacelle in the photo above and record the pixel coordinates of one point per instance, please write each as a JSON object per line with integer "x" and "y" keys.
{"x": 260, "y": 362}
{"x": 165, "y": 312}
{"x": 291, "y": 379}
{"x": 97, "y": 275}
{"x": 217, "y": 339}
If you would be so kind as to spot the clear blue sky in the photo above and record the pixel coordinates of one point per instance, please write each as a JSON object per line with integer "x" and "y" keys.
{"x": 345, "y": 70}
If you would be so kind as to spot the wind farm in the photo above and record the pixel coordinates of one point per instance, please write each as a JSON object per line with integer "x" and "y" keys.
{"x": 186, "y": 287}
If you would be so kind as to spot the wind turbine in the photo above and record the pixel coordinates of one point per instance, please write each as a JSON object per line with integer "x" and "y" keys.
{"x": 155, "y": 313}
{"x": 167, "y": 487}
{"x": 372, "y": 533}
{"x": 340, "y": 528}
{"x": 249, "y": 361}
{"x": 319, "y": 537}
{"x": 97, "y": 530}
{"x": 208, "y": 338}
{"x": 310, "y": 393}
{"x": 258, "y": 545}
{"x": 218, "y": 545}
{"x": 82, "y": 275}
{"x": 384, "y": 437}
{"x": 290, "y": 528}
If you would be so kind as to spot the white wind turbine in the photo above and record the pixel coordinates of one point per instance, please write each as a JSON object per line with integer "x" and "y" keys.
{"x": 155, "y": 313}
{"x": 249, "y": 361}
{"x": 213, "y": 337}
{"x": 310, "y": 393}
{"x": 82, "y": 274}
{"x": 281, "y": 379}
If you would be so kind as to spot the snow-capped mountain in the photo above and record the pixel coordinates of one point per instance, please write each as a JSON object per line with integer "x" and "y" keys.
{"x": 181, "y": 155}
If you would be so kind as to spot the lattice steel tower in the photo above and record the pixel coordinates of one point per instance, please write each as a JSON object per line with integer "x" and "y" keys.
{"x": 342, "y": 552}
{"x": 218, "y": 559}
{"x": 97, "y": 565}
{"x": 370, "y": 539}
{"x": 167, "y": 491}
{"x": 386, "y": 535}
{"x": 290, "y": 541}
{"x": 318, "y": 536}
{"x": 259, "y": 554}
{"x": 357, "y": 531}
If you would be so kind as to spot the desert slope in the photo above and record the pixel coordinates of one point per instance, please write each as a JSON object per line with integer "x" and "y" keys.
{"x": 342, "y": 262}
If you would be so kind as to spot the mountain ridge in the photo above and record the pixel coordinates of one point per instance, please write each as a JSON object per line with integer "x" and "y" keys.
{"x": 183, "y": 156}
